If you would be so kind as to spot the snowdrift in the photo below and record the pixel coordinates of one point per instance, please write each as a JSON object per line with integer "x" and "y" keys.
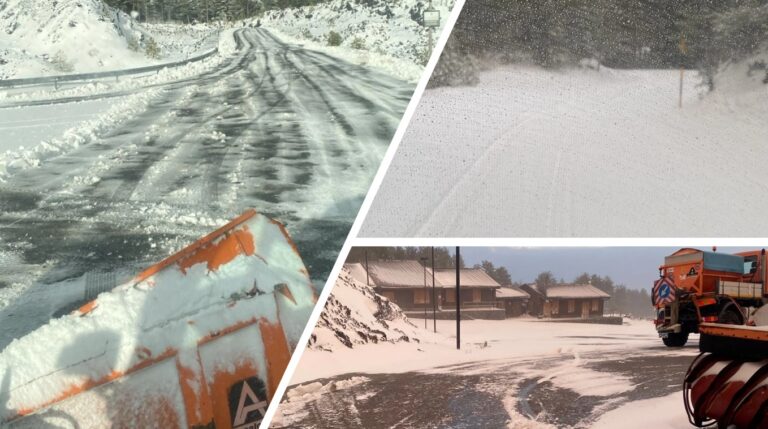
{"x": 354, "y": 315}
{"x": 383, "y": 34}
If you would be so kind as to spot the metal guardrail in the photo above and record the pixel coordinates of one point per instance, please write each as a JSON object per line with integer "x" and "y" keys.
{"x": 8, "y": 83}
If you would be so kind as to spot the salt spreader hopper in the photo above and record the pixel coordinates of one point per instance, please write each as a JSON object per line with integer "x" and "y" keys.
{"x": 199, "y": 340}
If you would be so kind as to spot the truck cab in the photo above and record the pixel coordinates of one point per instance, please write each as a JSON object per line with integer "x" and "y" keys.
{"x": 697, "y": 286}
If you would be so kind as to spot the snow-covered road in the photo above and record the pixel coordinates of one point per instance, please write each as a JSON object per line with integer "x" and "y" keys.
{"x": 515, "y": 373}
{"x": 293, "y": 133}
{"x": 577, "y": 152}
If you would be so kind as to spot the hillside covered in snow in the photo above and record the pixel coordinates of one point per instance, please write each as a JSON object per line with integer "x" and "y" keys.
{"x": 354, "y": 315}
{"x": 387, "y": 35}
{"x": 75, "y": 36}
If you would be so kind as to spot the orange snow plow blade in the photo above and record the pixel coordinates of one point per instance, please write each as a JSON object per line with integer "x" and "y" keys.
{"x": 727, "y": 383}
{"x": 199, "y": 340}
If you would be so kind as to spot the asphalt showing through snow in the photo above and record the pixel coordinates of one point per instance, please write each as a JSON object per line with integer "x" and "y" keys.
{"x": 295, "y": 134}
{"x": 476, "y": 394}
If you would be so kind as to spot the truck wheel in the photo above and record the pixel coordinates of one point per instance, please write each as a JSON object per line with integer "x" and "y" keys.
{"x": 730, "y": 315}
{"x": 676, "y": 340}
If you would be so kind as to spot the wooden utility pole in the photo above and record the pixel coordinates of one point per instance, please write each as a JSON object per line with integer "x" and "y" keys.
{"x": 458, "y": 300}
{"x": 434, "y": 297}
{"x": 424, "y": 267}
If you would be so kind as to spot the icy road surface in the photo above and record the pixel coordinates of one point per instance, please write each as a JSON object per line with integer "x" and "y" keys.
{"x": 531, "y": 152}
{"x": 293, "y": 133}
{"x": 514, "y": 374}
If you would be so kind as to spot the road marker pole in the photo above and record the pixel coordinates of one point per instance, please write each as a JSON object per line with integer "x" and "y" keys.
{"x": 683, "y": 50}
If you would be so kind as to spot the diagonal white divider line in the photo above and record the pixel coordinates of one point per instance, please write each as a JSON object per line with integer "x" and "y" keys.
{"x": 409, "y": 111}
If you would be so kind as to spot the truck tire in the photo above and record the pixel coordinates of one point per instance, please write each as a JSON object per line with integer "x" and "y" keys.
{"x": 676, "y": 340}
{"x": 730, "y": 315}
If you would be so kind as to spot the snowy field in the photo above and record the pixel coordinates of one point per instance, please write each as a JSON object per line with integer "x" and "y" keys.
{"x": 531, "y": 152}
{"x": 367, "y": 365}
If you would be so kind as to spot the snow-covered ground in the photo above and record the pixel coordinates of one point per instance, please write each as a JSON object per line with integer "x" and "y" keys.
{"x": 71, "y": 36}
{"x": 35, "y": 133}
{"x": 538, "y": 373}
{"x": 23, "y": 128}
{"x": 482, "y": 340}
{"x": 577, "y": 152}
{"x": 664, "y": 412}
{"x": 384, "y": 35}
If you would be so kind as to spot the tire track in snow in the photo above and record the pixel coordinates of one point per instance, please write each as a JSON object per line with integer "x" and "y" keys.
{"x": 121, "y": 202}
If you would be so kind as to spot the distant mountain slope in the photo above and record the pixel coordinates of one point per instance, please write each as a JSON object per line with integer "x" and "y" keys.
{"x": 354, "y": 315}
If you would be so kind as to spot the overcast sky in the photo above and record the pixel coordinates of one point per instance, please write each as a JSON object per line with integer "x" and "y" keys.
{"x": 636, "y": 267}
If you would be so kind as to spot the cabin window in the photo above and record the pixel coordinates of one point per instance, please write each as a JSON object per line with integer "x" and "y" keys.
{"x": 477, "y": 295}
{"x": 571, "y": 305}
{"x": 390, "y": 295}
{"x": 595, "y": 305}
{"x": 420, "y": 297}
{"x": 450, "y": 295}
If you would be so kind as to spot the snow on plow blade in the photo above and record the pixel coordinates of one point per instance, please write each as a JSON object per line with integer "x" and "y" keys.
{"x": 200, "y": 339}
{"x": 727, "y": 383}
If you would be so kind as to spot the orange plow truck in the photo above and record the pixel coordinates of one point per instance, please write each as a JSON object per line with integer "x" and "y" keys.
{"x": 721, "y": 297}
{"x": 199, "y": 340}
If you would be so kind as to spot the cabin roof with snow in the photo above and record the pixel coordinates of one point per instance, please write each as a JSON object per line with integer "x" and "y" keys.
{"x": 470, "y": 277}
{"x": 508, "y": 292}
{"x": 394, "y": 274}
{"x": 575, "y": 291}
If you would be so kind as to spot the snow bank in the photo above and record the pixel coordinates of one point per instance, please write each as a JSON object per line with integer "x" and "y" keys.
{"x": 22, "y": 158}
{"x": 43, "y": 37}
{"x": 384, "y": 35}
{"x": 355, "y": 315}
{"x": 74, "y": 36}
{"x": 293, "y": 410}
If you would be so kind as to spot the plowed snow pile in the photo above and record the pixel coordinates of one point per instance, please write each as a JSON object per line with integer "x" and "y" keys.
{"x": 55, "y": 37}
{"x": 354, "y": 315}
{"x": 386, "y": 35}
{"x": 41, "y": 37}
